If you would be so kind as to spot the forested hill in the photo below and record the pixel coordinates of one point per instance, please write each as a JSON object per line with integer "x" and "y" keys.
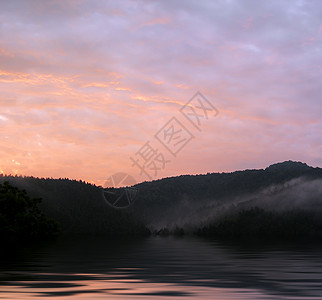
{"x": 188, "y": 200}
{"x": 225, "y": 185}
{"x": 184, "y": 201}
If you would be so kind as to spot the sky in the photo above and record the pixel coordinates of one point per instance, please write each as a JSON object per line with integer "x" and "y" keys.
{"x": 90, "y": 89}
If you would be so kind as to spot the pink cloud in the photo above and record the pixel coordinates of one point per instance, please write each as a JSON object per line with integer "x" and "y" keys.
{"x": 85, "y": 85}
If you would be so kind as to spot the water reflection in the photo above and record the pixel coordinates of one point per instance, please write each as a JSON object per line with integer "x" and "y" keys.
{"x": 173, "y": 268}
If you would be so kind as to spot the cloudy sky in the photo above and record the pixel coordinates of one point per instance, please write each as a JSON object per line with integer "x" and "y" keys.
{"x": 87, "y": 86}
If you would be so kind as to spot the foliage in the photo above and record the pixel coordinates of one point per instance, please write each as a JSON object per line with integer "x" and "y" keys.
{"x": 20, "y": 217}
{"x": 256, "y": 222}
{"x": 179, "y": 205}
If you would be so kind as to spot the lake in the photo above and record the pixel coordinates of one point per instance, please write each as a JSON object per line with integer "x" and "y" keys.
{"x": 162, "y": 268}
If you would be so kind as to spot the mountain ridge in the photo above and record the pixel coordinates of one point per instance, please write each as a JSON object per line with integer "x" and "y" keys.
{"x": 182, "y": 201}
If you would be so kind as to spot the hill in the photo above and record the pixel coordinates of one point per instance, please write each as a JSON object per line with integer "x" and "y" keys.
{"x": 189, "y": 202}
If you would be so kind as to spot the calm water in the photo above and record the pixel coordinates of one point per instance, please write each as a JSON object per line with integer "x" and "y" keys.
{"x": 162, "y": 268}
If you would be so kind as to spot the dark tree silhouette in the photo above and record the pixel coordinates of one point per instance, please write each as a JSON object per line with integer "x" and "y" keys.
{"x": 20, "y": 217}
{"x": 208, "y": 204}
{"x": 256, "y": 222}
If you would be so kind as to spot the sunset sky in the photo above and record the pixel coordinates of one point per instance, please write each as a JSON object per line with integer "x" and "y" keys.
{"x": 85, "y": 84}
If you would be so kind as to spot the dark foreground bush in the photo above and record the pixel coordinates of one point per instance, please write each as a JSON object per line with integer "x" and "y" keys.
{"x": 20, "y": 217}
